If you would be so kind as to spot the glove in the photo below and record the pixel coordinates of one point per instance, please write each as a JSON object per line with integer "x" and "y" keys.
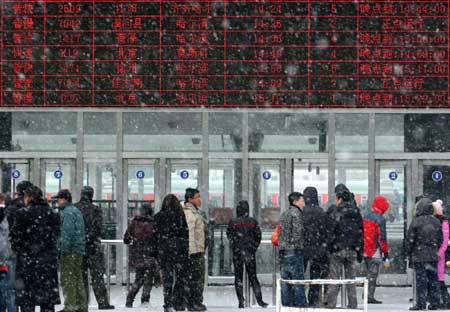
{"x": 385, "y": 256}
{"x": 359, "y": 257}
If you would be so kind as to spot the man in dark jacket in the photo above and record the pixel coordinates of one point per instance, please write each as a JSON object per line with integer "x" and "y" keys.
{"x": 346, "y": 244}
{"x": 423, "y": 241}
{"x": 93, "y": 261}
{"x": 291, "y": 245}
{"x": 316, "y": 238}
{"x": 245, "y": 236}
{"x": 37, "y": 228}
{"x": 142, "y": 239}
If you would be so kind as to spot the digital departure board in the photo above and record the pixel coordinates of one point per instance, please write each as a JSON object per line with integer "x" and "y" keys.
{"x": 316, "y": 53}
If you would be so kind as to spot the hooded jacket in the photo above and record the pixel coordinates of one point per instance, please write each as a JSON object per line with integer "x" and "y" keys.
{"x": 316, "y": 225}
{"x": 141, "y": 236}
{"x": 243, "y": 232}
{"x": 424, "y": 234}
{"x": 375, "y": 237}
{"x": 346, "y": 226}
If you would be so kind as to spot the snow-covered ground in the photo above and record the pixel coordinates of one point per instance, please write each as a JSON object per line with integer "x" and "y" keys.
{"x": 223, "y": 299}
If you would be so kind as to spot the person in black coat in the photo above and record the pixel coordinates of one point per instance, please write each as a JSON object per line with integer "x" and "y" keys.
{"x": 245, "y": 236}
{"x": 316, "y": 238}
{"x": 173, "y": 243}
{"x": 37, "y": 228}
{"x": 422, "y": 245}
{"x": 346, "y": 244}
{"x": 93, "y": 261}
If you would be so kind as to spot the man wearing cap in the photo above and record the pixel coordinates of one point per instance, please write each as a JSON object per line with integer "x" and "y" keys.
{"x": 93, "y": 261}
{"x": 291, "y": 245}
{"x": 72, "y": 251}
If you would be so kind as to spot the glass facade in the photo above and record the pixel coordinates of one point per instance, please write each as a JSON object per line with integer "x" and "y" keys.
{"x": 132, "y": 158}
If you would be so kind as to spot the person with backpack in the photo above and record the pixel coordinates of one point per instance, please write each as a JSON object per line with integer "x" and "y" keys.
{"x": 244, "y": 235}
{"x": 142, "y": 239}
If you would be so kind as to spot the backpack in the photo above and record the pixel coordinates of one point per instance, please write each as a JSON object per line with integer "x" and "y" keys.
{"x": 5, "y": 245}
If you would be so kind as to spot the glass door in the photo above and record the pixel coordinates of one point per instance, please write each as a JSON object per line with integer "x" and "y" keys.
{"x": 436, "y": 181}
{"x": 141, "y": 184}
{"x": 392, "y": 183}
{"x": 57, "y": 174}
{"x": 14, "y": 171}
{"x": 181, "y": 175}
{"x": 225, "y": 188}
{"x": 312, "y": 173}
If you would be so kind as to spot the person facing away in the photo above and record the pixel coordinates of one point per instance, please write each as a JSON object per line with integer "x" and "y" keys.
{"x": 244, "y": 235}
{"x": 444, "y": 302}
{"x": 376, "y": 248}
{"x": 141, "y": 237}
{"x": 37, "y": 228}
{"x": 93, "y": 261}
{"x": 7, "y": 291}
{"x": 72, "y": 252}
{"x": 197, "y": 224}
{"x": 172, "y": 236}
{"x": 291, "y": 245}
{"x": 316, "y": 238}
{"x": 346, "y": 243}
{"x": 424, "y": 238}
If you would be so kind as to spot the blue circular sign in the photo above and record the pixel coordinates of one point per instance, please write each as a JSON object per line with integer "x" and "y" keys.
{"x": 15, "y": 174}
{"x": 140, "y": 174}
{"x": 393, "y": 175}
{"x": 58, "y": 174}
{"x": 437, "y": 176}
{"x": 184, "y": 174}
{"x": 266, "y": 175}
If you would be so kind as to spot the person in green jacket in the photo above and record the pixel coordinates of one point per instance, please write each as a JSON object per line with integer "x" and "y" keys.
{"x": 72, "y": 251}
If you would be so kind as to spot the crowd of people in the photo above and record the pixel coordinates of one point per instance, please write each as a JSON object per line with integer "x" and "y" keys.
{"x": 168, "y": 249}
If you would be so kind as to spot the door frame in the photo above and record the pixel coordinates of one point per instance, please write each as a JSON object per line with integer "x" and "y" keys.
{"x": 27, "y": 161}
{"x": 69, "y": 161}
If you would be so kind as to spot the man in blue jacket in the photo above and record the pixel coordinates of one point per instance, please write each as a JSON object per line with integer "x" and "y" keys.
{"x": 72, "y": 251}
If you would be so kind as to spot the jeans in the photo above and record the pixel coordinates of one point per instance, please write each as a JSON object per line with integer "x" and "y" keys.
{"x": 7, "y": 298}
{"x": 426, "y": 279}
{"x": 291, "y": 268}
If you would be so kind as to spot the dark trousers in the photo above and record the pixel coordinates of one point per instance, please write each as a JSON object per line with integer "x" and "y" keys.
{"x": 95, "y": 265}
{"x": 144, "y": 277}
{"x": 426, "y": 281}
{"x": 372, "y": 266}
{"x": 318, "y": 269}
{"x": 174, "y": 283}
{"x": 195, "y": 279}
{"x": 346, "y": 258}
{"x": 444, "y": 296}
{"x": 249, "y": 261}
{"x": 292, "y": 268}
{"x": 32, "y": 308}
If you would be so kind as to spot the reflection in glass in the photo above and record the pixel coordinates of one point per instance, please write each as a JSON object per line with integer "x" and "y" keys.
{"x": 12, "y": 174}
{"x": 287, "y": 132}
{"x": 44, "y": 131}
{"x": 100, "y": 131}
{"x": 312, "y": 174}
{"x": 153, "y": 131}
{"x": 352, "y": 132}
{"x": 183, "y": 176}
{"x": 266, "y": 194}
{"x": 225, "y": 132}
{"x": 356, "y": 177}
{"x": 57, "y": 176}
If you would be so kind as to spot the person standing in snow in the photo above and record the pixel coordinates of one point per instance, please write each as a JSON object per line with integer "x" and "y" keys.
{"x": 376, "y": 248}
{"x": 244, "y": 235}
